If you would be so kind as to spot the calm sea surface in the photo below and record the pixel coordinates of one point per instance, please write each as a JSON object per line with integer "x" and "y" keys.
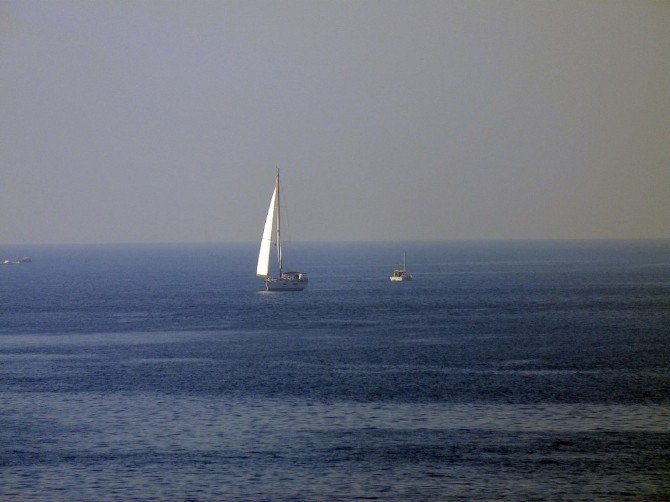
{"x": 525, "y": 370}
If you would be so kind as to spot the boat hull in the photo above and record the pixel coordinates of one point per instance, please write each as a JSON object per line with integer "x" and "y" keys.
{"x": 293, "y": 283}
{"x": 400, "y": 275}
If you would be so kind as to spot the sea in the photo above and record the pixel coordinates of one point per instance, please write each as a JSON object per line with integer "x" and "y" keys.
{"x": 521, "y": 370}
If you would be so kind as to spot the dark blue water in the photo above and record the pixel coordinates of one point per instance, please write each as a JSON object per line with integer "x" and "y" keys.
{"x": 526, "y": 370}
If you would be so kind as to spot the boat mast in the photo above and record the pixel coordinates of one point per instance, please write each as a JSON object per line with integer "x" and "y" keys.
{"x": 279, "y": 256}
{"x": 404, "y": 267}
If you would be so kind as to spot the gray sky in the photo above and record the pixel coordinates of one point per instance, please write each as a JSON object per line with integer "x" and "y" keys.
{"x": 391, "y": 120}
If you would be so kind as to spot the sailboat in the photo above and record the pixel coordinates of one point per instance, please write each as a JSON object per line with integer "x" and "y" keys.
{"x": 401, "y": 274}
{"x": 285, "y": 281}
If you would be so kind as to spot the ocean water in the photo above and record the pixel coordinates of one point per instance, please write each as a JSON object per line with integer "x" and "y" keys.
{"x": 518, "y": 370}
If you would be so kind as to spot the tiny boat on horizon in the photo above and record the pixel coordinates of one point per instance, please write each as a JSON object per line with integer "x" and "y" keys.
{"x": 18, "y": 261}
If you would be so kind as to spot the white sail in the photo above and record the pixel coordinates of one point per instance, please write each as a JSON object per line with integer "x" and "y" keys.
{"x": 263, "y": 267}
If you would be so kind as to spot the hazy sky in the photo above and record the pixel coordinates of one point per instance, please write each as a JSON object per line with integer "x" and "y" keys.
{"x": 391, "y": 120}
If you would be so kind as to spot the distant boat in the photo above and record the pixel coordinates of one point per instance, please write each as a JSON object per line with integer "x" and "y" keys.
{"x": 23, "y": 259}
{"x": 401, "y": 274}
{"x": 285, "y": 281}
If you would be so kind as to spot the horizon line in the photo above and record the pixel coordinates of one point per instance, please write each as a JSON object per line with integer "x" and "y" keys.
{"x": 352, "y": 241}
